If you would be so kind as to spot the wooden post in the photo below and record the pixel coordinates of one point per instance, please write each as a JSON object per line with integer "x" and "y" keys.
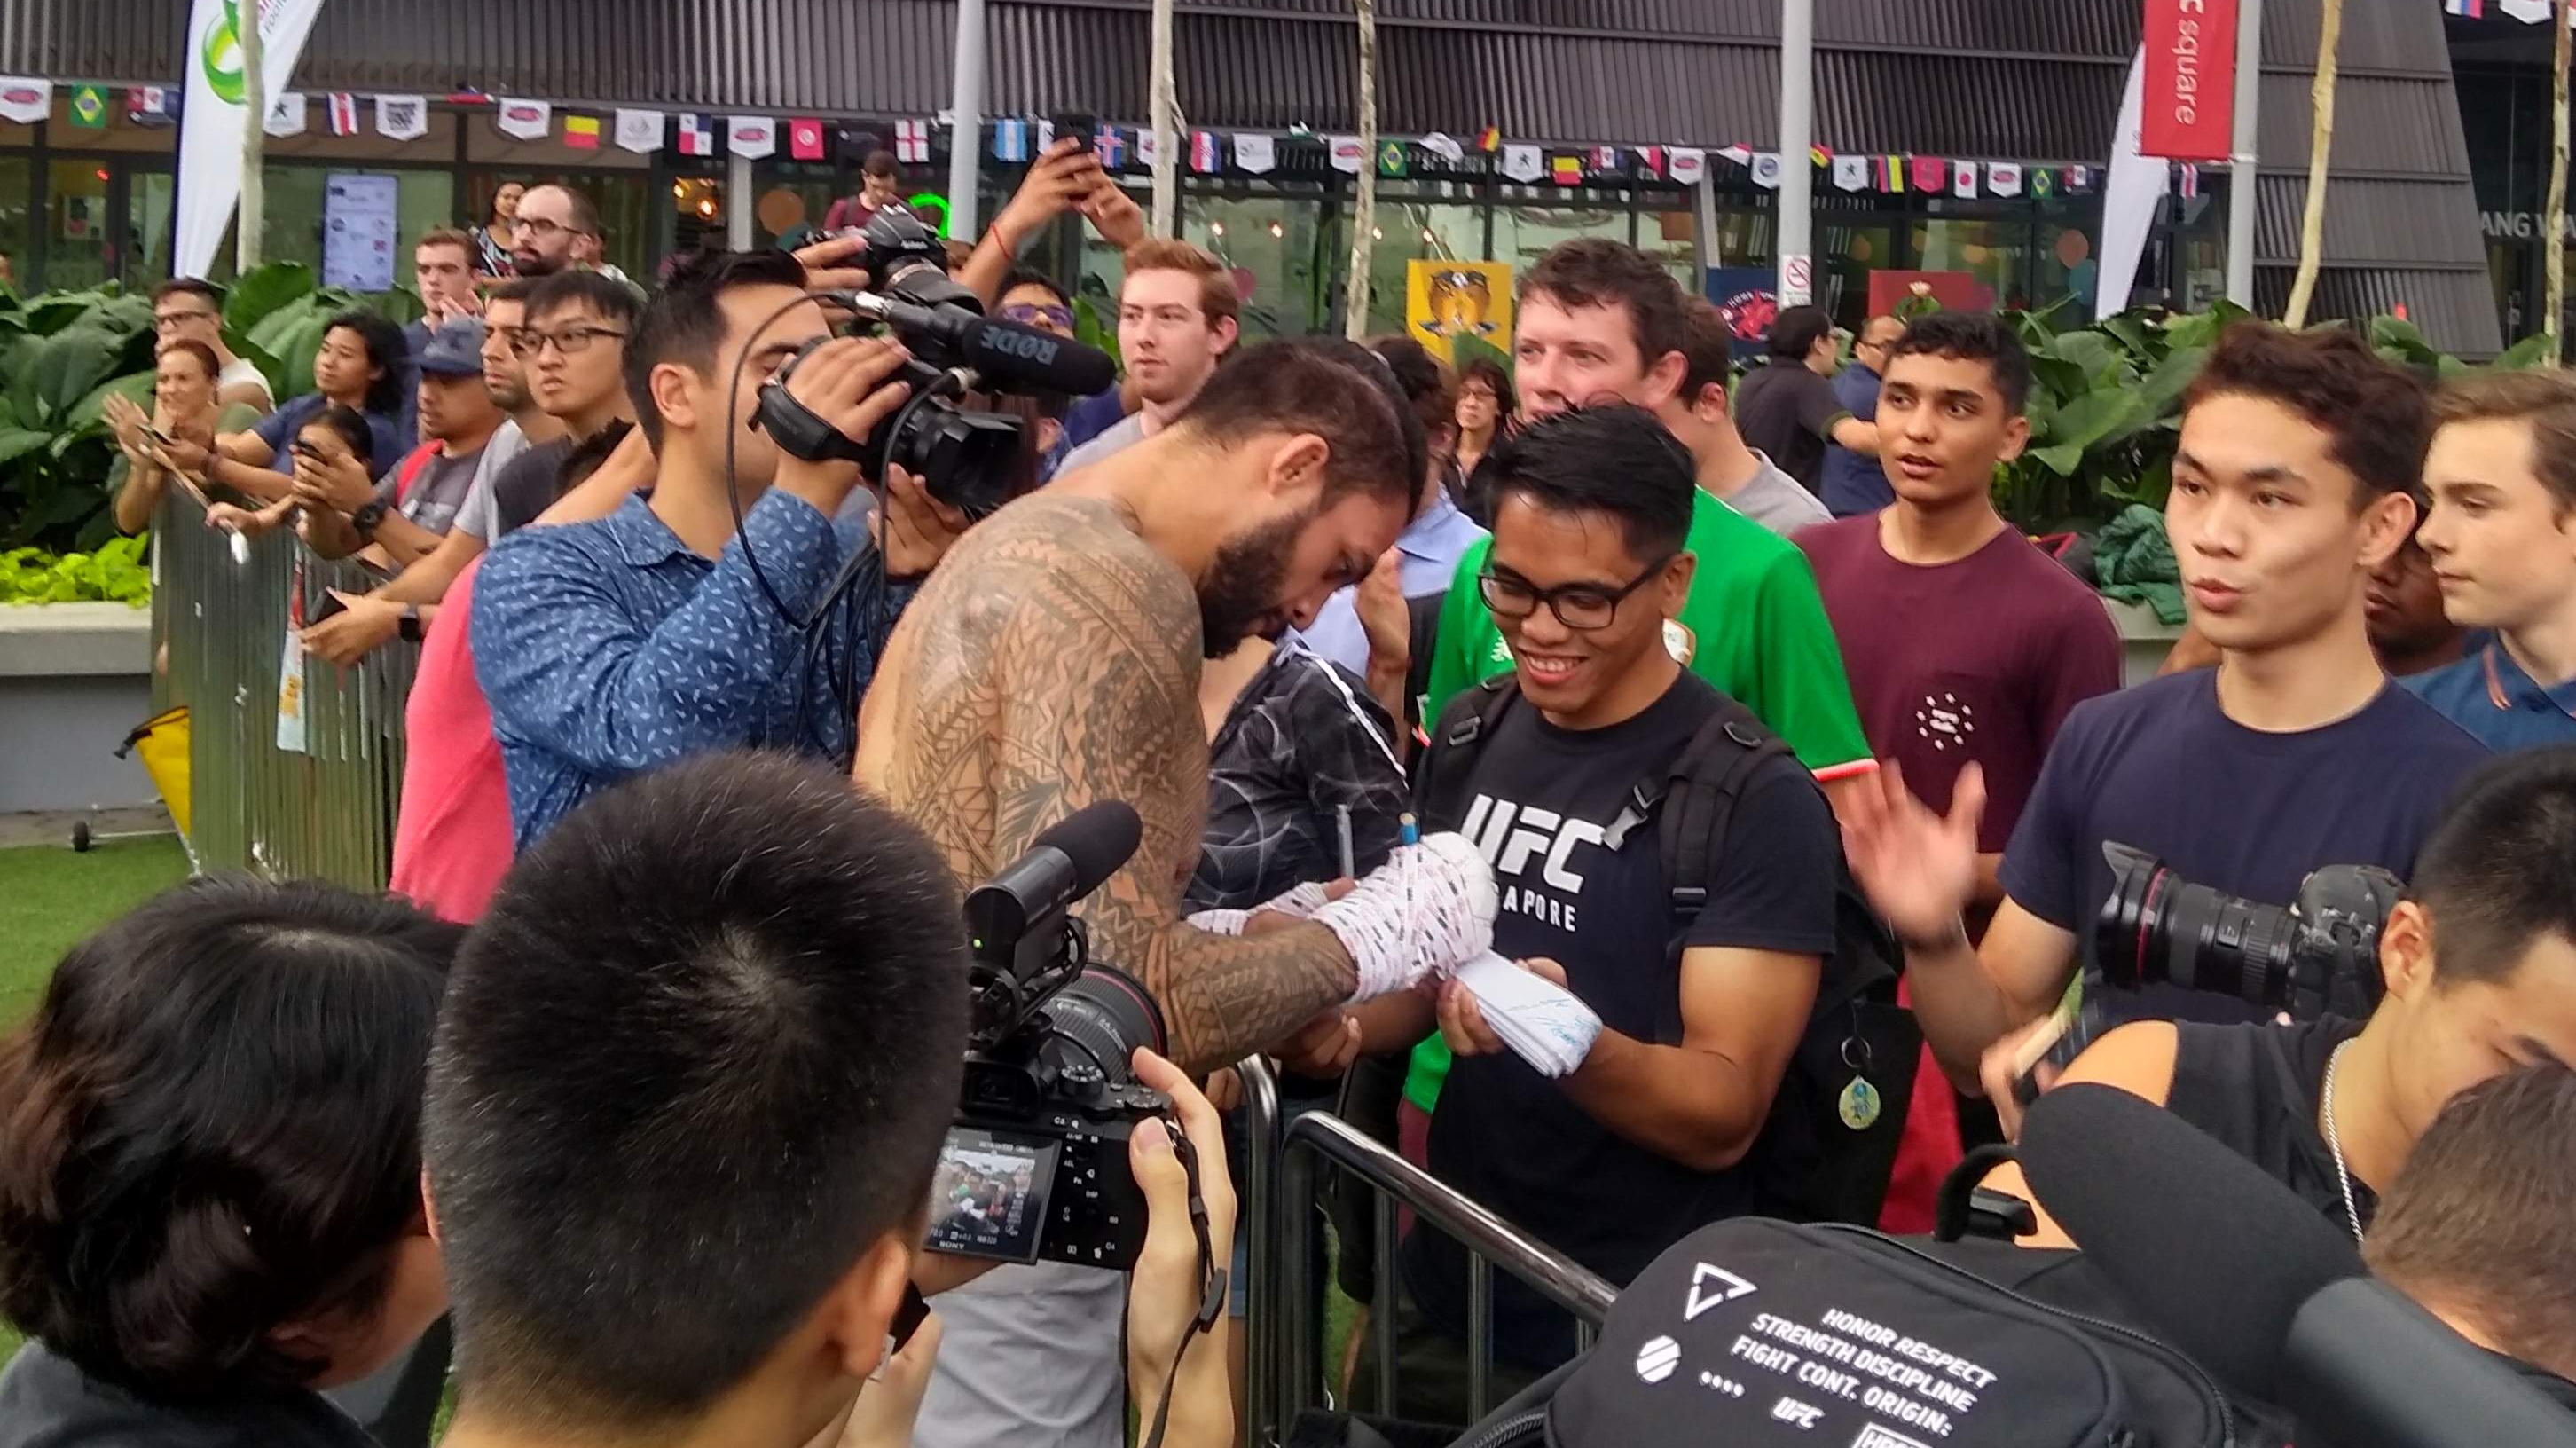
{"x": 2557, "y": 218}
{"x": 1355, "y": 300}
{"x": 2312, "y": 227}
{"x": 249, "y": 218}
{"x": 1163, "y": 102}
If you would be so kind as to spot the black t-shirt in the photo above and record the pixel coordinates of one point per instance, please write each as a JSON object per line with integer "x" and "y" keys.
{"x": 1540, "y": 801}
{"x": 1788, "y": 412}
{"x": 2255, "y": 1088}
{"x": 46, "y": 1402}
{"x": 529, "y": 484}
{"x": 2162, "y": 768}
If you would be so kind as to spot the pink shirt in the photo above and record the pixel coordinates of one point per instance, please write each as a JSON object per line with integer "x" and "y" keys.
{"x": 452, "y": 835}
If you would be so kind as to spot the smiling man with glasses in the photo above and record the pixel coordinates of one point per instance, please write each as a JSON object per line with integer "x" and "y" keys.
{"x": 188, "y": 310}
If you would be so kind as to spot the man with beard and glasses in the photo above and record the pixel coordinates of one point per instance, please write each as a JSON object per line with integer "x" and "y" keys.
{"x": 1053, "y": 662}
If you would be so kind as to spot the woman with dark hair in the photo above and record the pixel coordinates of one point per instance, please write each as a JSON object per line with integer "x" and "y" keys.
{"x": 363, "y": 364}
{"x": 210, "y": 1169}
{"x": 1486, "y": 404}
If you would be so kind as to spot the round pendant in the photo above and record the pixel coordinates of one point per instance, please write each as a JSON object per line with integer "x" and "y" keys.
{"x": 1859, "y": 1105}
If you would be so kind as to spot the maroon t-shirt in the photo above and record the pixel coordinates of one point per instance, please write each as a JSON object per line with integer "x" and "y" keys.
{"x": 1974, "y": 660}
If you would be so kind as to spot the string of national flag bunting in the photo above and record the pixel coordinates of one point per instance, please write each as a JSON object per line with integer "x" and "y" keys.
{"x": 1013, "y": 139}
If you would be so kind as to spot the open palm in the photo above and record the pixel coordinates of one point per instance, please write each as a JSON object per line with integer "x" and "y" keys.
{"x": 1918, "y": 868}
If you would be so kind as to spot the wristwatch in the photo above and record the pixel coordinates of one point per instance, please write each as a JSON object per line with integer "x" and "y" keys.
{"x": 367, "y": 517}
{"x": 409, "y": 628}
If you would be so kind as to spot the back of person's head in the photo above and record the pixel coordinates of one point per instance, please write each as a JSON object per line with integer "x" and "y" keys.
{"x": 1338, "y": 391}
{"x": 1708, "y": 346}
{"x": 2498, "y": 872}
{"x": 350, "y": 427}
{"x": 1972, "y": 337}
{"x": 387, "y": 351}
{"x": 2476, "y": 1226}
{"x": 1795, "y": 333}
{"x": 1425, "y": 380}
{"x": 1593, "y": 272}
{"x": 1616, "y": 461}
{"x": 2376, "y": 416}
{"x": 2544, "y": 399}
{"x": 694, "y": 1067}
{"x": 603, "y": 297}
{"x": 210, "y": 1130}
{"x": 684, "y": 324}
{"x": 1218, "y": 299}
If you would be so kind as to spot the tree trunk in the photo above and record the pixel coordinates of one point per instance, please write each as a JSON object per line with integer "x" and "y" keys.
{"x": 1164, "y": 102}
{"x": 1355, "y": 301}
{"x": 2557, "y": 217}
{"x": 2312, "y": 227}
{"x": 249, "y": 216}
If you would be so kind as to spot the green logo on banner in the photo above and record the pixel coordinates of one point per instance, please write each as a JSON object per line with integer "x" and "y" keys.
{"x": 1391, "y": 159}
{"x": 222, "y": 57}
{"x": 89, "y": 107}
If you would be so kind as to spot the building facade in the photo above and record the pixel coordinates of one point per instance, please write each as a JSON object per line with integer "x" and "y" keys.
{"x": 2033, "y": 84}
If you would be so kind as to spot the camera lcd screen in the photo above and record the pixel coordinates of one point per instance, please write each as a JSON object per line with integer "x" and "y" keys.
{"x": 989, "y": 1196}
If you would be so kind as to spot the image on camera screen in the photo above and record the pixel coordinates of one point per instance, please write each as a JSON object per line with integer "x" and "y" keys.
{"x": 989, "y": 1196}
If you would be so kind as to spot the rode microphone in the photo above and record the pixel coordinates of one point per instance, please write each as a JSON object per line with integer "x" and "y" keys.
{"x": 1015, "y": 923}
{"x": 2258, "y": 1287}
{"x": 1005, "y": 353}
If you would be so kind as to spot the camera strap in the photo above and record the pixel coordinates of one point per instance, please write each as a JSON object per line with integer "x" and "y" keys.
{"x": 1212, "y": 1278}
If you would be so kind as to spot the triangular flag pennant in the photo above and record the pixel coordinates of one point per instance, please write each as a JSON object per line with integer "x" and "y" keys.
{"x": 912, "y": 141}
{"x": 1391, "y": 159}
{"x": 1851, "y": 173}
{"x": 1963, "y": 180}
{"x": 1930, "y": 173}
{"x": 639, "y": 131}
{"x": 2190, "y": 180}
{"x": 149, "y": 105}
{"x": 1740, "y": 155}
{"x": 1440, "y": 144}
{"x": 581, "y": 132}
{"x": 1767, "y": 170}
{"x": 89, "y": 107}
{"x": 1490, "y": 139}
{"x": 1041, "y": 136}
{"x": 343, "y": 108}
{"x": 697, "y": 138}
{"x": 1521, "y": 163}
{"x": 1820, "y": 156}
{"x": 1605, "y": 158}
{"x": 1565, "y": 170}
{"x": 1888, "y": 172}
{"x": 402, "y": 118}
{"x": 2003, "y": 178}
{"x": 1346, "y": 154}
{"x": 804, "y": 139}
{"x": 287, "y": 114}
{"x": 524, "y": 120}
{"x": 25, "y": 99}
{"x": 1652, "y": 158}
{"x": 1255, "y": 154}
{"x": 2529, "y": 12}
{"x": 1110, "y": 147}
{"x": 755, "y": 137}
{"x": 2043, "y": 182}
{"x": 1206, "y": 156}
{"x": 2078, "y": 180}
{"x": 1690, "y": 165}
{"x": 1010, "y": 140}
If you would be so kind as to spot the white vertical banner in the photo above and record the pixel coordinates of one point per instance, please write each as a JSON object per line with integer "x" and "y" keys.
{"x": 210, "y": 121}
{"x": 2130, "y": 196}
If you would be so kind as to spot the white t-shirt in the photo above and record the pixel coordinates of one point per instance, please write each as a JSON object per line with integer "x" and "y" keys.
{"x": 241, "y": 372}
{"x": 480, "y": 516}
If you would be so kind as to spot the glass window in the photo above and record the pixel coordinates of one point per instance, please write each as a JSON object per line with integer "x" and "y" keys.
{"x": 1668, "y": 231}
{"x": 1990, "y": 250}
{"x": 17, "y": 198}
{"x": 292, "y": 219}
{"x": 151, "y": 198}
{"x": 1848, "y": 249}
{"x": 1430, "y": 229}
{"x": 80, "y": 252}
{"x": 2068, "y": 262}
{"x": 1278, "y": 246}
{"x": 1534, "y": 219}
{"x": 789, "y": 202}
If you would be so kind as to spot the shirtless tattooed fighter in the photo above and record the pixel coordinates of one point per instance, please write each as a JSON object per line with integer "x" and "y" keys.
{"x": 1053, "y": 660}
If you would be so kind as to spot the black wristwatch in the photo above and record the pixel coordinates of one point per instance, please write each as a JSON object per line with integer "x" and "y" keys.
{"x": 409, "y": 628}
{"x": 367, "y": 517}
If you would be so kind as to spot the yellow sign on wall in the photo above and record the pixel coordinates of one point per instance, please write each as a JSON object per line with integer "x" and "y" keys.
{"x": 1445, "y": 300}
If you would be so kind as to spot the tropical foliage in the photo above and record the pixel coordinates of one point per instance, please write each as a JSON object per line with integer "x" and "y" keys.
{"x": 116, "y": 573}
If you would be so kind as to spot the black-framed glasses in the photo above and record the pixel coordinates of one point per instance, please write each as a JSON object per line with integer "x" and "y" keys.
{"x": 167, "y": 321}
{"x": 541, "y": 227}
{"x": 1035, "y": 314}
{"x": 528, "y": 341}
{"x": 1576, "y": 605}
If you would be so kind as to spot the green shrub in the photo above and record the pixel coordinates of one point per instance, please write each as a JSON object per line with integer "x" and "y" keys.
{"x": 115, "y": 573}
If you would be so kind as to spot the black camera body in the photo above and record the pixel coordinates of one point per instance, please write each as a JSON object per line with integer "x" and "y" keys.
{"x": 1035, "y": 1165}
{"x": 2318, "y": 955}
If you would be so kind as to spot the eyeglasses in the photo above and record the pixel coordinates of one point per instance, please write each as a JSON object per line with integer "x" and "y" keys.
{"x": 1034, "y": 314}
{"x": 541, "y": 228}
{"x": 1576, "y": 605}
{"x": 529, "y": 342}
{"x": 169, "y": 321}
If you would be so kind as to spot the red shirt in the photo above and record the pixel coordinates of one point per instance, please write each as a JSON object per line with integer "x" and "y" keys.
{"x": 452, "y": 835}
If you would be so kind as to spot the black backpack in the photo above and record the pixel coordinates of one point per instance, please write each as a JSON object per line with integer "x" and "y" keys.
{"x": 1812, "y": 1164}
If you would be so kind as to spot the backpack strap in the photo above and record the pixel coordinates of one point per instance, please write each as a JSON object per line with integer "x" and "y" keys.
{"x": 1440, "y": 782}
{"x": 1699, "y": 798}
{"x": 409, "y": 470}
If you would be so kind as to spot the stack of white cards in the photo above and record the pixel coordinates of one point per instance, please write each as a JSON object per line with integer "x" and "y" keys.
{"x": 1540, "y": 1020}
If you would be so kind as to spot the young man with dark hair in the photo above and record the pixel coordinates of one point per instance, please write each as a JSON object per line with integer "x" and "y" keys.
{"x": 1728, "y": 470}
{"x": 186, "y": 309}
{"x": 1789, "y": 409}
{"x": 2502, "y": 540}
{"x": 2478, "y": 962}
{"x": 573, "y": 346}
{"x": 405, "y": 517}
{"x": 880, "y": 189}
{"x": 2290, "y": 485}
{"x": 1176, "y": 322}
{"x": 1640, "y": 1143}
{"x": 1853, "y": 482}
{"x": 626, "y": 644}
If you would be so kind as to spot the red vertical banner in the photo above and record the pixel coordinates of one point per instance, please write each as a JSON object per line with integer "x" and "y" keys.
{"x": 2190, "y": 112}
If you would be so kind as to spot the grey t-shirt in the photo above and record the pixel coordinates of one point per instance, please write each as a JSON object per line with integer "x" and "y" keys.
{"x": 437, "y": 493}
{"x": 1774, "y": 500}
{"x": 47, "y": 1402}
{"x": 479, "y": 517}
{"x": 1124, "y": 434}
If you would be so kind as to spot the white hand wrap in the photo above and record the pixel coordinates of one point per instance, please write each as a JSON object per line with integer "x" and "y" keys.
{"x": 1299, "y": 903}
{"x": 1426, "y": 911}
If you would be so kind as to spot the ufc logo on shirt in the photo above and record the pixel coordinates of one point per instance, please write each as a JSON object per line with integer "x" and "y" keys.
{"x": 1521, "y": 842}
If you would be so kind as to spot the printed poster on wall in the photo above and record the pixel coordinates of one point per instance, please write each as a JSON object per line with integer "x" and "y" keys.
{"x": 361, "y": 225}
{"x": 1445, "y": 300}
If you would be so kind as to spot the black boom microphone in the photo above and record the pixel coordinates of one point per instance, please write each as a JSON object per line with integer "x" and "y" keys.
{"x": 1003, "y": 352}
{"x": 2257, "y": 1287}
{"x": 1006, "y": 919}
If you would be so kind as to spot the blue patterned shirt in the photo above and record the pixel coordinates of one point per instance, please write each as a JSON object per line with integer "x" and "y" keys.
{"x": 608, "y": 648}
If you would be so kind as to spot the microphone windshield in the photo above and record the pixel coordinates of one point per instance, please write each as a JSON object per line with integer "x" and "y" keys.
{"x": 1097, "y": 839}
{"x": 2218, "y": 1255}
{"x": 1007, "y": 351}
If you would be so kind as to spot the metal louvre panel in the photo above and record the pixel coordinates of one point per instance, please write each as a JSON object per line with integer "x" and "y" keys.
{"x": 1615, "y": 91}
{"x": 2382, "y": 123}
{"x": 2428, "y": 222}
{"x": 2456, "y": 310}
{"x": 108, "y": 40}
{"x": 2106, "y": 29}
{"x": 2398, "y": 35}
{"x": 2041, "y": 110}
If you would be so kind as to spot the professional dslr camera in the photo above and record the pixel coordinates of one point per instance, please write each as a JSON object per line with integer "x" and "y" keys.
{"x": 962, "y": 456}
{"x": 2317, "y": 956}
{"x": 1035, "y": 1167}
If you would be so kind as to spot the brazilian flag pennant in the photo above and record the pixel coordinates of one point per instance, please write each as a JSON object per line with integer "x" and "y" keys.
{"x": 89, "y": 107}
{"x": 1391, "y": 159}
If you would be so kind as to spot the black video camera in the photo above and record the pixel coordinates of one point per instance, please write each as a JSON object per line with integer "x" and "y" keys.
{"x": 2317, "y": 956}
{"x": 1035, "y": 1167}
{"x": 964, "y": 458}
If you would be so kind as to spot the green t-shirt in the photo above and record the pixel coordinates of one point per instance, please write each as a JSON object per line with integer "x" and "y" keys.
{"x": 1753, "y": 625}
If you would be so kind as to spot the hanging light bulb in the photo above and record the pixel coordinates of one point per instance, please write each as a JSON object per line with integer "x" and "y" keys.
{"x": 1277, "y": 230}
{"x": 1216, "y": 228}
{"x": 1377, "y": 233}
{"x": 679, "y": 188}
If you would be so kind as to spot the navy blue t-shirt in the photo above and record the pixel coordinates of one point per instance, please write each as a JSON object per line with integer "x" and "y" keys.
{"x": 388, "y": 441}
{"x": 2244, "y": 811}
{"x": 1854, "y": 482}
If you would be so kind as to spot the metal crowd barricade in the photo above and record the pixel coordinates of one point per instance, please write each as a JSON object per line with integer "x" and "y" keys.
{"x": 1259, "y": 1200}
{"x": 1318, "y": 1140}
{"x": 219, "y": 617}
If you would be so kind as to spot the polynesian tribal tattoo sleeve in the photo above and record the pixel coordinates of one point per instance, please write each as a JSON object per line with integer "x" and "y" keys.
{"x": 1059, "y": 666}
